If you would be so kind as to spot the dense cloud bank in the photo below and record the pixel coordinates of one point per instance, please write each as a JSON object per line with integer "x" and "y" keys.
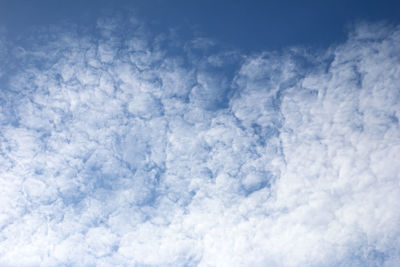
{"x": 118, "y": 148}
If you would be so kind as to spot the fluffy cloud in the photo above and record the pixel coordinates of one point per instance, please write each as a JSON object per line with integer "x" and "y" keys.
{"x": 116, "y": 150}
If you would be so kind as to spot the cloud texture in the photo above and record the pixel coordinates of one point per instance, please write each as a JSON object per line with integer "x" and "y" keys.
{"x": 118, "y": 148}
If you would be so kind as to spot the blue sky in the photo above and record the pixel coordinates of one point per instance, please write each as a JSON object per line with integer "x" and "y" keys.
{"x": 248, "y": 26}
{"x": 199, "y": 134}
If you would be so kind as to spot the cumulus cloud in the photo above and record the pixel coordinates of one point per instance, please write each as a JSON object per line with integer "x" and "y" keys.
{"x": 116, "y": 151}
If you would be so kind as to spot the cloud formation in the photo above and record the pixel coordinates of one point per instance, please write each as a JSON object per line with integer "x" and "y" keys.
{"x": 120, "y": 148}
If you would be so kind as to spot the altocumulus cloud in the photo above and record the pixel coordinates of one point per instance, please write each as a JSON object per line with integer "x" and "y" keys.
{"x": 119, "y": 148}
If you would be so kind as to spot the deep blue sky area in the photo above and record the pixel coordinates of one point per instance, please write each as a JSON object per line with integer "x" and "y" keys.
{"x": 246, "y": 25}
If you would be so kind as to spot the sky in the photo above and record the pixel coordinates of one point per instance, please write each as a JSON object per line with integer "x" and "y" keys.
{"x": 183, "y": 133}
{"x": 249, "y": 26}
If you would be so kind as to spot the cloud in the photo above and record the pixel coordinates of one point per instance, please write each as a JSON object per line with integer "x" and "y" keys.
{"x": 116, "y": 152}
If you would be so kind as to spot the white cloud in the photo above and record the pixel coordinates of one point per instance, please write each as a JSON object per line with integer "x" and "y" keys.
{"x": 117, "y": 154}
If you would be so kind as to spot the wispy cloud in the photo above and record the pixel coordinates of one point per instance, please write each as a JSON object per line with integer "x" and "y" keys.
{"x": 118, "y": 150}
